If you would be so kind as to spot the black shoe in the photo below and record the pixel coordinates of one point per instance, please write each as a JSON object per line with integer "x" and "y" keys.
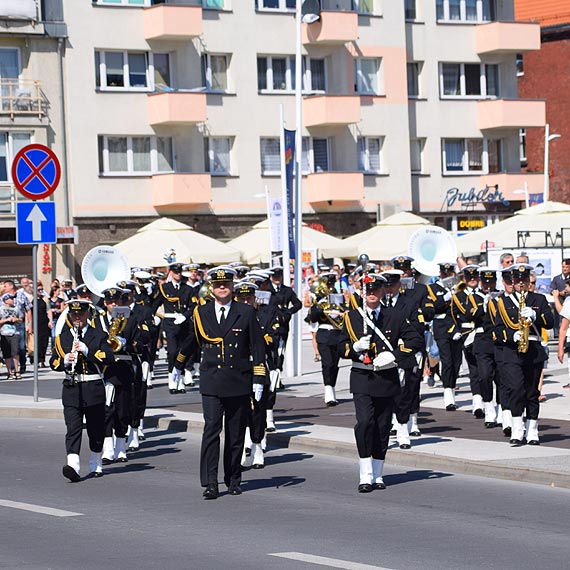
{"x": 106, "y": 461}
{"x": 393, "y": 432}
{"x": 507, "y": 432}
{"x": 479, "y": 414}
{"x": 234, "y": 489}
{"x": 211, "y": 491}
{"x": 332, "y": 404}
{"x": 96, "y": 474}
{"x": 417, "y": 433}
{"x": 533, "y": 442}
{"x": 181, "y": 391}
{"x": 450, "y": 407}
{"x": 490, "y": 424}
{"x": 516, "y": 442}
{"x": 122, "y": 460}
{"x": 365, "y": 488}
{"x": 405, "y": 446}
{"x": 247, "y": 451}
{"x": 173, "y": 390}
{"x": 258, "y": 466}
{"x": 379, "y": 486}
{"x": 270, "y": 430}
{"x": 70, "y": 473}
{"x": 149, "y": 387}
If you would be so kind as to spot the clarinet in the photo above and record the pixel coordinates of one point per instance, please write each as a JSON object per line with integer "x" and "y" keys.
{"x": 74, "y": 351}
{"x": 363, "y": 259}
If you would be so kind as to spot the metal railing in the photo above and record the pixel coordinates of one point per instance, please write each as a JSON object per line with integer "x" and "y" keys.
{"x": 22, "y": 97}
{"x": 360, "y": 6}
{"x": 8, "y": 199}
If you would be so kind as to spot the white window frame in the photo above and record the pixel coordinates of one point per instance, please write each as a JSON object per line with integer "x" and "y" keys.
{"x": 522, "y": 147}
{"x": 465, "y": 172}
{"x": 210, "y": 156}
{"x": 366, "y": 167}
{"x": 463, "y": 13}
{"x": 422, "y": 143}
{"x": 103, "y": 71}
{"x": 501, "y": 155}
{"x": 462, "y": 83}
{"x": 415, "y": 9}
{"x": 261, "y": 155}
{"x": 130, "y": 172}
{"x": 307, "y": 77}
{"x": 10, "y": 154}
{"x": 123, "y": 3}
{"x": 309, "y": 141}
{"x": 208, "y": 72}
{"x": 281, "y": 8}
{"x": 151, "y": 68}
{"x": 379, "y": 76}
{"x": 419, "y": 66}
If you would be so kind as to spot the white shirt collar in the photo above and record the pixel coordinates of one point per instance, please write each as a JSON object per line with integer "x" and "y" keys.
{"x": 227, "y": 307}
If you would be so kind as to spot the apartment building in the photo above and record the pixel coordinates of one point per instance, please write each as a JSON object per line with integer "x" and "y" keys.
{"x": 174, "y": 110}
{"x": 31, "y": 55}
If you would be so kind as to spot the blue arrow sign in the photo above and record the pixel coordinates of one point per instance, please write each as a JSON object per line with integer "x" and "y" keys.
{"x": 35, "y": 223}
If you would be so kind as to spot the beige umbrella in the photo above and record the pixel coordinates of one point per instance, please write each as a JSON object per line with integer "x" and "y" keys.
{"x": 152, "y": 242}
{"x": 546, "y": 217}
{"x": 256, "y": 244}
{"x": 387, "y": 238}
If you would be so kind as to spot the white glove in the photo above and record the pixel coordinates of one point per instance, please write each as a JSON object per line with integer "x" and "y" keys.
{"x": 149, "y": 288}
{"x": 176, "y": 375}
{"x": 517, "y": 336}
{"x": 156, "y": 321}
{"x": 456, "y": 336}
{"x": 257, "y": 391}
{"x": 68, "y": 359}
{"x": 528, "y": 313}
{"x": 179, "y": 319}
{"x": 81, "y": 347}
{"x": 362, "y": 344}
{"x": 447, "y": 296}
{"x": 384, "y": 360}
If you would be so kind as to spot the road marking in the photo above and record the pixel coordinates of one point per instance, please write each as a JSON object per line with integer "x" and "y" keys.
{"x": 323, "y": 561}
{"x": 38, "y": 509}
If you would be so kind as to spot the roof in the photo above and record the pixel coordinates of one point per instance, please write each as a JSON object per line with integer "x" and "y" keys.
{"x": 546, "y": 12}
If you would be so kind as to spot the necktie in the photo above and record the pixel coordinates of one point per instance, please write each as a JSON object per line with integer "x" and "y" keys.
{"x": 222, "y": 315}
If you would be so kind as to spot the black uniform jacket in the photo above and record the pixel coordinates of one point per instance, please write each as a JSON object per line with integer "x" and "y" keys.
{"x": 507, "y": 323}
{"x": 288, "y": 303}
{"x": 174, "y": 300}
{"x": 233, "y": 356}
{"x": 99, "y": 354}
{"x": 398, "y": 331}
{"x": 421, "y": 296}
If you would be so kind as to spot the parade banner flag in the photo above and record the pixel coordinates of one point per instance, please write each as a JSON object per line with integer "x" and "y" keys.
{"x": 289, "y": 150}
{"x": 275, "y": 217}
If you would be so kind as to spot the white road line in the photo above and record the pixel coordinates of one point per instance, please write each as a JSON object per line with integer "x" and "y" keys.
{"x": 323, "y": 561}
{"x": 38, "y": 509}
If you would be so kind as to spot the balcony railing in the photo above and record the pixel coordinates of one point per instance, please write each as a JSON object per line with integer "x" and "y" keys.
{"x": 22, "y": 97}
{"x": 360, "y": 6}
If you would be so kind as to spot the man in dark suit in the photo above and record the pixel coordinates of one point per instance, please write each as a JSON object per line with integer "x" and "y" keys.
{"x": 374, "y": 385}
{"x": 81, "y": 351}
{"x": 232, "y": 364}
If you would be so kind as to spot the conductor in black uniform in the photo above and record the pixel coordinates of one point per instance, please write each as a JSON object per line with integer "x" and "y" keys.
{"x": 233, "y": 360}
{"x": 81, "y": 351}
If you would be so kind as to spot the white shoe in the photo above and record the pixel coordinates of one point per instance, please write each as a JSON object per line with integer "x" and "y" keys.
{"x": 330, "y": 397}
{"x": 517, "y": 433}
{"x": 245, "y": 458}
{"x": 507, "y": 420}
{"x": 403, "y": 437}
{"x": 449, "y": 399}
{"x": 247, "y": 443}
{"x": 133, "y": 439}
{"x": 196, "y": 370}
{"x": 478, "y": 406}
{"x": 377, "y": 470}
{"x": 366, "y": 471}
{"x": 108, "y": 449}
{"x": 264, "y": 443}
{"x": 413, "y": 428}
{"x": 257, "y": 459}
{"x": 532, "y": 432}
{"x": 188, "y": 380}
{"x": 73, "y": 468}
{"x": 490, "y": 414}
{"x": 270, "y": 422}
{"x": 96, "y": 463}
{"x": 499, "y": 419}
{"x": 172, "y": 383}
{"x": 120, "y": 450}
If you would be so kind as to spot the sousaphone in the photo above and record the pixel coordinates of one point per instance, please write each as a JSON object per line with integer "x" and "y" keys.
{"x": 430, "y": 246}
{"x": 103, "y": 267}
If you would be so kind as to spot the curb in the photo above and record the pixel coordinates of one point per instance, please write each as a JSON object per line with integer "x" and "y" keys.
{"x": 397, "y": 457}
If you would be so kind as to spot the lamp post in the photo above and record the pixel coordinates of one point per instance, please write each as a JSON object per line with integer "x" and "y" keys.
{"x": 525, "y": 192}
{"x": 547, "y": 138}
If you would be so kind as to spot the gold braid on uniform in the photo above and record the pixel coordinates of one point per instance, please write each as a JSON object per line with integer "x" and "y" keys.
{"x": 259, "y": 370}
{"x": 505, "y": 316}
{"x": 198, "y": 328}
{"x": 431, "y": 294}
{"x": 351, "y": 334}
{"x": 268, "y": 339}
{"x": 171, "y": 299}
{"x": 471, "y": 299}
{"x": 457, "y": 303}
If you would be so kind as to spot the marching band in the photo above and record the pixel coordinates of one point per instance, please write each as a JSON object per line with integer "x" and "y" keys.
{"x": 229, "y": 333}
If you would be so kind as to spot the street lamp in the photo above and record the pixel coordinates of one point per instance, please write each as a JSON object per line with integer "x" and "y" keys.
{"x": 525, "y": 192}
{"x": 547, "y": 138}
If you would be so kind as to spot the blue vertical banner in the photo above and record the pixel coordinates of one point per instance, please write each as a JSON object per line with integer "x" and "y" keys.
{"x": 534, "y": 199}
{"x": 289, "y": 169}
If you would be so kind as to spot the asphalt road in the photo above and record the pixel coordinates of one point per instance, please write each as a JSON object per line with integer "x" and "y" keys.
{"x": 149, "y": 514}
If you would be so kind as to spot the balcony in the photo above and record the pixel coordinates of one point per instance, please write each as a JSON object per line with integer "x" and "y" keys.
{"x": 172, "y": 22}
{"x": 332, "y": 28}
{"x": 175, "y": 192}
{"x": 509, "y": 182}
{"x": 334, "y": 187}
{"x": 511, "y": 114}
{"x": 22, "y": 98}
{"x": 331, "y": 110}
{"x": 506, "y": 37}
{"x": 176, "y": 108}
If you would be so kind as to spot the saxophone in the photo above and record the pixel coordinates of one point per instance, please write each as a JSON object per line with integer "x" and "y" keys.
{"x": 524, "y": 325}
{"x": 116, "y": 328}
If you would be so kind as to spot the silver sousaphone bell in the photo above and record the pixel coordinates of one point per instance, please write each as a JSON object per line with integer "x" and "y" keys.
{"x": 103, "y": 267}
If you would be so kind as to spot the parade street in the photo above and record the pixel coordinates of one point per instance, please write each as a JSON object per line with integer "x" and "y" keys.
{"x": 300, "y": 512}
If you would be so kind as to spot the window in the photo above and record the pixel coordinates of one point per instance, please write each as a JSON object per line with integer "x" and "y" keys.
{"x": 495, "y": 156}
{"x": 462, "y": 155}
{"x": 468, "y": 80}
{"x": 270, "y": 156}
{"x": 277, "y": 73}
{"x": 410, "y": 8}
{"x": 122, "y": 70}
{"x": 277, "y": 5}
{"x": 161, "y": 64}
{"x": 218, "y": 161}
{"x": 126, "y": 2}
{"x": 370, "y": 154}
{"x": 135, "y": 155}
{"x": 414, "y": 70}
{"x": 314, "y": 74}
{"x": 520, "y": 65}
{"x": 522, "y": 147}
{"x": 215, "y": 71}
{"x": 417, "y": 155}
{"x": 367, "y": 80}
{"x": 315, "y": 155}
{"x": 465, "y": 10}
{"x": 10, "y": 144}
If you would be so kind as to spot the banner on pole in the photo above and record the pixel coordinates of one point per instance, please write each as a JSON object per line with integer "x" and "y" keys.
{"x": 289, "y": 168}
{"x": 275, "y": 217}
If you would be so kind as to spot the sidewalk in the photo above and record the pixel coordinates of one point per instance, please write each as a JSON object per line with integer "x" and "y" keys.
{"x": 451, "y": 441}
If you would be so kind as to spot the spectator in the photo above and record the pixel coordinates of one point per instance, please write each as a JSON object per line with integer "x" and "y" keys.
{"x": 24, "y": 305}
{"x": 506, "y": 260}
{"x": 564, "y": 335}
{"x": 45, "y": 324}
{"x": 523, "y": 257}
{"x": 56, "y": 306}
{"x": 10, "y": 318}
{"x": 560, "y": 285}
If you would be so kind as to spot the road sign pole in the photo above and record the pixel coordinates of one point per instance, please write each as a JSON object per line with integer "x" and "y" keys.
{"x": 35, "y": 318}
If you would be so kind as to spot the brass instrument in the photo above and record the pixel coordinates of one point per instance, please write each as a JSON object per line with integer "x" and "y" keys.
{"x": 116, "y": 328}
{"x": 74, "y": 351}
{"x": 524, "y": 325}
{"x": 333, "y": 309}
{"x": 205, "y": 293}
{"x": 320, "y": 289}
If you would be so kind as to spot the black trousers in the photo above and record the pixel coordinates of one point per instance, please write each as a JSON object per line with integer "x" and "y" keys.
{"x": 450, "y": 353}
{"x": 372, "y": 429}
{"x": 137, "y": 402}
{"x": 486, "y": 368}
{"x": 235, "y": 410}
{"x": 175, "y": 334}
{"x": 473, "y": 365}
{"x": 256, "y": 418}
{"x": 408, "y": 402}
{"x": 330, "y": 357}
{"x": 521, "y": 391}
{"x": 499, "y": 378}
{"x": 118, "y": 414}
{"x": 95, "y": 420}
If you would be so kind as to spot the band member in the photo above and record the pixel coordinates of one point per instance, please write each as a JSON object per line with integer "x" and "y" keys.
{"x": 176, "y": 298}
{"x": 522, "y": 316}
{"x": 231, "y": 368}
{"x": 369, "y": 334}
{"x": 446, "y": 334}
{"x": 328, "y": 314}
{"x": 81, "y": 351}
{"x": 190, "y": 272}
